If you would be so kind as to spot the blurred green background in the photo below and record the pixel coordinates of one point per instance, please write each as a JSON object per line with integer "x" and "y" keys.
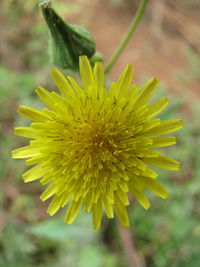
{"x": 166, "y": 45}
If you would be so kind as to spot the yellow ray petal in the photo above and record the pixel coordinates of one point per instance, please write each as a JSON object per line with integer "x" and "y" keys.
{"x": 75, "y": 85}
{"x": 61, "y": 82}
{"x": 140, "y": 196}
{"x": 121, "y": 212}
{"x": 122, "y": 196}
{"x": 26, "y": 132}
{"x": 85, "y": 72}
{"x": 98, "y": 75}
{"x": 34, "y": 173}
{"x": 110, "y": 193}
{"x": 154, "y": 186}
{"x": 46, "y": 179}
{"x": 33, "y": 114}
{"x": 163, "y": 141}
{"x": 37, "y": 159}
{"x": 150, "y": 124}
{"x": 49, "y": 191}
{"x": 25, "y": 152}
{"x": 54, "y": 205}
{"x": 73, "y": 211}
{"x": 145, "y": 93}
{"x": 165, "y": 127}
{"x": 157, "y": 107}
{"x": 163, "y": 162}
{"x": 149, "y": 172}
{"x": 132, "y": 91}
{"x": 99, "y": 79}
{"x": 124, "y": 82}
{"x": 108, "y": 207}
{"x": 97, "y": 214}
{"x": 65, "y": 198}
{"x": 45, "y": 96}
{"x": 88, "y": 203}
{"x": 123, "y": 186}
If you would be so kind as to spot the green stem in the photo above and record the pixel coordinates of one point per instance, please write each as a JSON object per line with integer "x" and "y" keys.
{"x": 128, "y": 35}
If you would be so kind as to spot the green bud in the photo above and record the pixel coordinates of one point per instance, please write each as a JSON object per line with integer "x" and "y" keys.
{"x": 68, "y": 41}
{"x": 97, "y": 57}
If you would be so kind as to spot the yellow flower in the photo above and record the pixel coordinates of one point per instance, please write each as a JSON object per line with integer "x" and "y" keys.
{"x": 95, "y": 146}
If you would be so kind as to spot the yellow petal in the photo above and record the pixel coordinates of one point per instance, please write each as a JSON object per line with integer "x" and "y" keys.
{"x": 25, "y": 152}
{"x": 46, "y": 179}
{"x": 61, "y": 82}
{"x": 34, "y": 173}
{"x": 75, "y": 85}
{"x": 59, "y": 100}
{"x": 110, "y": 193}
{"x": 85, "y": 72}
{"x": 112, "y": 90}
{"x": 49, "y": 191}
{"x": 163, "y": 141}
{"x": 121, "y": 212}
{"x": 150, "y": 154}
{"x": 163, "y": 162}
{"x": 88, "y": 203}
{"x": 145, "y": 93}
{"x": 165, "y": 127}
{"x": 123, "y": 186}
{"x": 154, "y": 186}
{"x": 98, "y": 75}
{"x": 37, "y": 159}
{"x": 157, "y": 107}
{"x": 26, "y": 132}
{"x": 33, "y": 114}
{"x": 65, "y": 198}
{"x": 73, "y": 211}
{"x": 54, "y": 205}
{"x": 150, "y": 124}
{"x": 97, "y": 214}
{"x": 124, "y": 82}
{"x": 140, "y": 196}
{"x": 149, "y": 172}
{"x": 108, "y": 207}
{"x": 122, "y": 196}
{"x": 132, "y": 91}
{"x": 99, "y": 79}
{"x": 45, "y": 96}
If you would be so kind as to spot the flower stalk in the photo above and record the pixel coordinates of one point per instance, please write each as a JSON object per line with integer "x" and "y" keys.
{"x": 128, "y": 36}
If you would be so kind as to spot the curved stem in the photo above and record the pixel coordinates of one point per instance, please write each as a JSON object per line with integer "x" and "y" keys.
{"x": 128, "y": 35}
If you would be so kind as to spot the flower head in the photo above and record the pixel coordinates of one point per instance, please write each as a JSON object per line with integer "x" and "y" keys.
{"x": 95, "y": 146}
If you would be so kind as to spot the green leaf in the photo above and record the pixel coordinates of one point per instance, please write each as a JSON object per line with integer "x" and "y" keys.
{"x": 56, "y": 229}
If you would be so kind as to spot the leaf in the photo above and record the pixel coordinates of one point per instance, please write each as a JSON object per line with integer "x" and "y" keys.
{"x": 56, "y": 229}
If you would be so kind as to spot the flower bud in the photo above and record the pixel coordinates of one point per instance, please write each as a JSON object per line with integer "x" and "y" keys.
{"x": 68, "y": 41}
{"x": 97, "y": 57}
